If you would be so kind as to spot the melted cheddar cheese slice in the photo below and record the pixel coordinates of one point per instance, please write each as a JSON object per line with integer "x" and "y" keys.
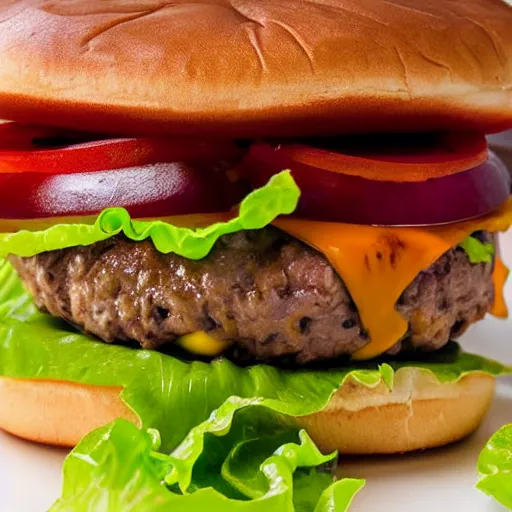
{"x": 499, "y": 308}
{"x": 203, "y": 344}
{"x": 378, "y": 263}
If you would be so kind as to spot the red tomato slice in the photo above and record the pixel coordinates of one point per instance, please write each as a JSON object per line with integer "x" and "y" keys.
{"x": 29, "y": 149}
{"x": 148, "y": 177}
{"x": 401, "y": 158}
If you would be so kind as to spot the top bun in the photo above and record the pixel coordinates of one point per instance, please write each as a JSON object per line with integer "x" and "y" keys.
{"x": 246, "y": 68}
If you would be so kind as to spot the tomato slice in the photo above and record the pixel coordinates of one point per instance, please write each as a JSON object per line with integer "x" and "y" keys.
{"x": 401, "y": 158}
{"x": 348, "y": 193}
{"x": 25, "y": 148}
{"x": 41, "y": 176}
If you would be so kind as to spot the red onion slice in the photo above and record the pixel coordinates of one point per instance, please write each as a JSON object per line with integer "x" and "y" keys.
{"x": 338, "y": 197}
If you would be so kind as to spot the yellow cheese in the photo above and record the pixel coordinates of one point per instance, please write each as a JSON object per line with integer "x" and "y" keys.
{"x": 499, "y": 308}
{"x": 202, "y": 344}
{"x": 378, "y": 263}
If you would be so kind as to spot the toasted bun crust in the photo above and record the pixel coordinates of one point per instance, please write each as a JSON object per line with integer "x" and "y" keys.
{"x": 56, "y": 412}
{"x": 419, "y": 413}
{"x": 257, "y": 67}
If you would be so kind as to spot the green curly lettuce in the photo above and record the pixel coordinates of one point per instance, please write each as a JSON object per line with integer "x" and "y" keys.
{"x": 118, "y": 469}
{"x": 477, "y": 251}
{"x": 278, "y": 197}
{"x": 495, "y": 467}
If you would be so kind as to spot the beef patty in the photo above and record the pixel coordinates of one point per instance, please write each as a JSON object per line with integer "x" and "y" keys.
{"x": 272, "y": 295}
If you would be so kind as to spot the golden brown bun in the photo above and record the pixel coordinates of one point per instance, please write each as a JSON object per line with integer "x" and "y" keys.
{"x": 257, "y": 67}
{"x": 57, "y": 412}
{"x": 419, "y": 412}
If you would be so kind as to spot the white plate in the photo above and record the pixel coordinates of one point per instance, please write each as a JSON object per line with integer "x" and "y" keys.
{"x": 437, "y": 480}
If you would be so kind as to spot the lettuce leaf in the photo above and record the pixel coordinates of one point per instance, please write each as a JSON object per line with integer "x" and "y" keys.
{"x": 495, "y": 467}
{"x": 477, "y": 251}
{"x": 117, "y": 468}
{"x": 278, "y": 197}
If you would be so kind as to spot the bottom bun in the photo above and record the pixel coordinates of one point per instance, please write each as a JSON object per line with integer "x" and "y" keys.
{"x": 58, "y": 412}
{"x": 420, "y": 412}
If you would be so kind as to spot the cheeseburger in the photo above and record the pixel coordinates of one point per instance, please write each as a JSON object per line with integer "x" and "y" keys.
{"x": 291, "y": 201}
